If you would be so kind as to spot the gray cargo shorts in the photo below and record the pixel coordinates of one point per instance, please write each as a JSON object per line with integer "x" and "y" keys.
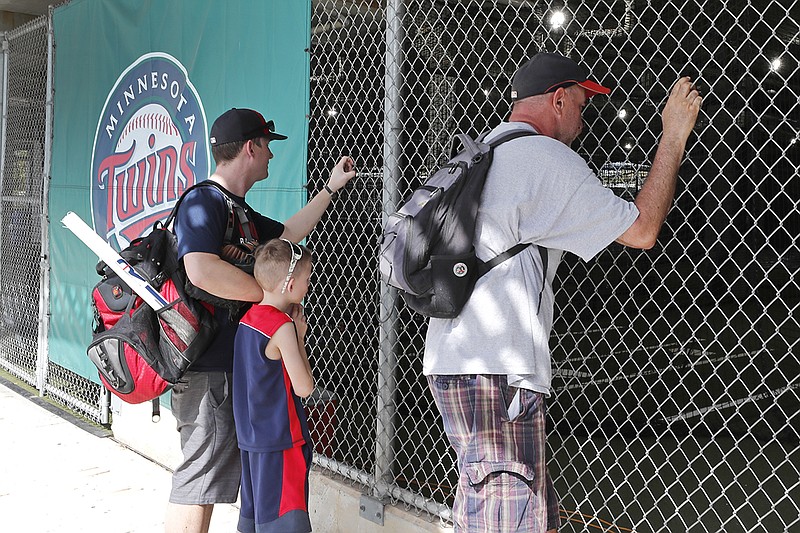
{"x": 211, "y": 467}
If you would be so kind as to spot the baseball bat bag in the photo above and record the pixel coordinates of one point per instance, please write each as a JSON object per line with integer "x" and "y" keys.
{"x": 139, "y": 352}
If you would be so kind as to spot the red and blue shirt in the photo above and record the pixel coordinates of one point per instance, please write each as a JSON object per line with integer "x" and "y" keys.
{"x": 269, "y": 415}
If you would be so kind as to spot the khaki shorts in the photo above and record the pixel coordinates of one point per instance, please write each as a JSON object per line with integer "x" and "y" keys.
{"x": 211, "y": 467}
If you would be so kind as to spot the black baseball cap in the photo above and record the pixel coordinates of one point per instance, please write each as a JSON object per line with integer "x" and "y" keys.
{"x": 545, "y": 72}
{"x": 242, "y": 125}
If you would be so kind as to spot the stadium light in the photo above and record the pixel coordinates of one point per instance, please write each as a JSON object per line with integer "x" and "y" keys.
{"x": 557, "y": 19}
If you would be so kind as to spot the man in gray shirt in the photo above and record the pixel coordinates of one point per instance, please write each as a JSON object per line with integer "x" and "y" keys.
{"x": 489, "y": 369}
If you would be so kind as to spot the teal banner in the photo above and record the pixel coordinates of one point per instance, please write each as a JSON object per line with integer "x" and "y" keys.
{"x": 137, "y": 86}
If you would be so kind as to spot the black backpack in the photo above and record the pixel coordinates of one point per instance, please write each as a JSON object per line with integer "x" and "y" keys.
{"x": 141, "y": 353}
{"x": 427, "y": 247}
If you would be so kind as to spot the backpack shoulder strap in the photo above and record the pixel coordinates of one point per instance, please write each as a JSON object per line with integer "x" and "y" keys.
{"x": 472, "y": 146}
{"x": 467, "y": 144}
{"x": 235, "y": 211}
{"x": 543, "y": 253}
{"x": 510, "y": 136}
{"x": 483, "y": 268}
{"x": 172, "y": 214}
{"x": 244, "y": 222}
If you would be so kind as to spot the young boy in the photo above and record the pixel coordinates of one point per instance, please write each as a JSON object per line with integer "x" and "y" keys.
{"x": 270, "y": 372}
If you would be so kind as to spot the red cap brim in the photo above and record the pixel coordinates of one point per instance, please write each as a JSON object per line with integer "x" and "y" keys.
{"x": 593, "y": 88}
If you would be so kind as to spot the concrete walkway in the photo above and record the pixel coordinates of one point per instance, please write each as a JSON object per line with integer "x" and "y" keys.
{"x": 60, "y": 475}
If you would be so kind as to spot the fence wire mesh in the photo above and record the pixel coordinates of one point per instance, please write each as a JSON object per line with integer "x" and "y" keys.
{"x": 25, "y": 70}
{"x": 24, "y": 179}
{"x": 675, "y": 395}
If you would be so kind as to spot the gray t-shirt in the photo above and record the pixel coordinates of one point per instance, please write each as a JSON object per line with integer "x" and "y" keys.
{"x": 540, "y": 191}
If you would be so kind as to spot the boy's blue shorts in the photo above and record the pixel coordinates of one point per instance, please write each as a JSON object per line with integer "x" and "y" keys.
{"x": 274, "y": 493}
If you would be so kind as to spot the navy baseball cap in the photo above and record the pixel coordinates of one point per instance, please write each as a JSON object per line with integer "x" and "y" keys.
{"x": 242, "y": 125}
{"x": 545, "y": 72}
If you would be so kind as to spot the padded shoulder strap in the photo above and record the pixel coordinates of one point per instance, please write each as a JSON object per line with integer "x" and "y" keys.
{"x": 239, "y": 212}
{"x": 471, "y": 146}
{"x": 483, "y": 268}
{"x": 466, "y": 143}
{"x": 235, "y": 211}
{"x": 510, "y": 136}
{"x": 172, "y": 214}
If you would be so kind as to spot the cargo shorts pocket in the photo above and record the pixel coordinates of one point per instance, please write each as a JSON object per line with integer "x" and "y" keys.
{"x": 505, "y": 472}
{"x": 218, "y": 389}
{"x": 503, "y": 496}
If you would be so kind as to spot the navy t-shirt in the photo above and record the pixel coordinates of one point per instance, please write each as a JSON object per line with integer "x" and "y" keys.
{"x": 200, "y": 226}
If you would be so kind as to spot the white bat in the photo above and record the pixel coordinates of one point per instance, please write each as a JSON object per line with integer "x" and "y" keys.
{"x": 107, "y": 254}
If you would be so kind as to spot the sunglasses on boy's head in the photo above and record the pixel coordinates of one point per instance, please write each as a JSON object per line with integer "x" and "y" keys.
{"x": 297, "y": 254}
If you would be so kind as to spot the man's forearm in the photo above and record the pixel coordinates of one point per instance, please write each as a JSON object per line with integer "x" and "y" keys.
{"x": 658, "y": 191}
{"x": 303, "y": 222}
{"x": 220, "y": 278}
{"x": 655, "y": 197}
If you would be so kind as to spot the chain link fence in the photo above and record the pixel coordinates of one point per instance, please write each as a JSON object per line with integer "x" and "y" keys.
{"x": 675, "y": 393}
{"x": 24, "y": 267}
{"x": 22, "y": 161}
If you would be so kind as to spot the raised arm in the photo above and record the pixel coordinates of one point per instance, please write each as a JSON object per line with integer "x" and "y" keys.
{"x": 301, "y": 223}
{"x": 655, "y": 198}
{"x": 293, "y": 353}
{"x": 301, "y": 327}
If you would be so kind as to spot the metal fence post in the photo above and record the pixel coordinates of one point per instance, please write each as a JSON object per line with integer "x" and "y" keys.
{"x": 387, "y": 358}
{"x": 3, "y": 129}
{"x": 42, "y": 362}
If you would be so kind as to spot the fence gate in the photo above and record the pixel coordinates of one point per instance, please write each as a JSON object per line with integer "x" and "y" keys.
{"x": 25, "y": 152}
{"x": 675, "y": 404}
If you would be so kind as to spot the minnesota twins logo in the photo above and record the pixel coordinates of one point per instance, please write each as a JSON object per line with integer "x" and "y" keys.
{"x": 149, "y": 147}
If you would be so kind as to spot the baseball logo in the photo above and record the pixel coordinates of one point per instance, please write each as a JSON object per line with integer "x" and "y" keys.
{"x": 149, "y": 147}
{"x": 460, "y": 270}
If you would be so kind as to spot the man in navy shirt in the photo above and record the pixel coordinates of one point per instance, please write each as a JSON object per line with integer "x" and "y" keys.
{"x": 202, "y": 406}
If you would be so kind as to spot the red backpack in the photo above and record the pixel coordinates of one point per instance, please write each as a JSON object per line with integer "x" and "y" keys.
{"x": 141, "y": 353}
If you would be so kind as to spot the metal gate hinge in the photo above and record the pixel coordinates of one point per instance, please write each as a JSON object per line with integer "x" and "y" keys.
{"x": 371, "y": 509}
